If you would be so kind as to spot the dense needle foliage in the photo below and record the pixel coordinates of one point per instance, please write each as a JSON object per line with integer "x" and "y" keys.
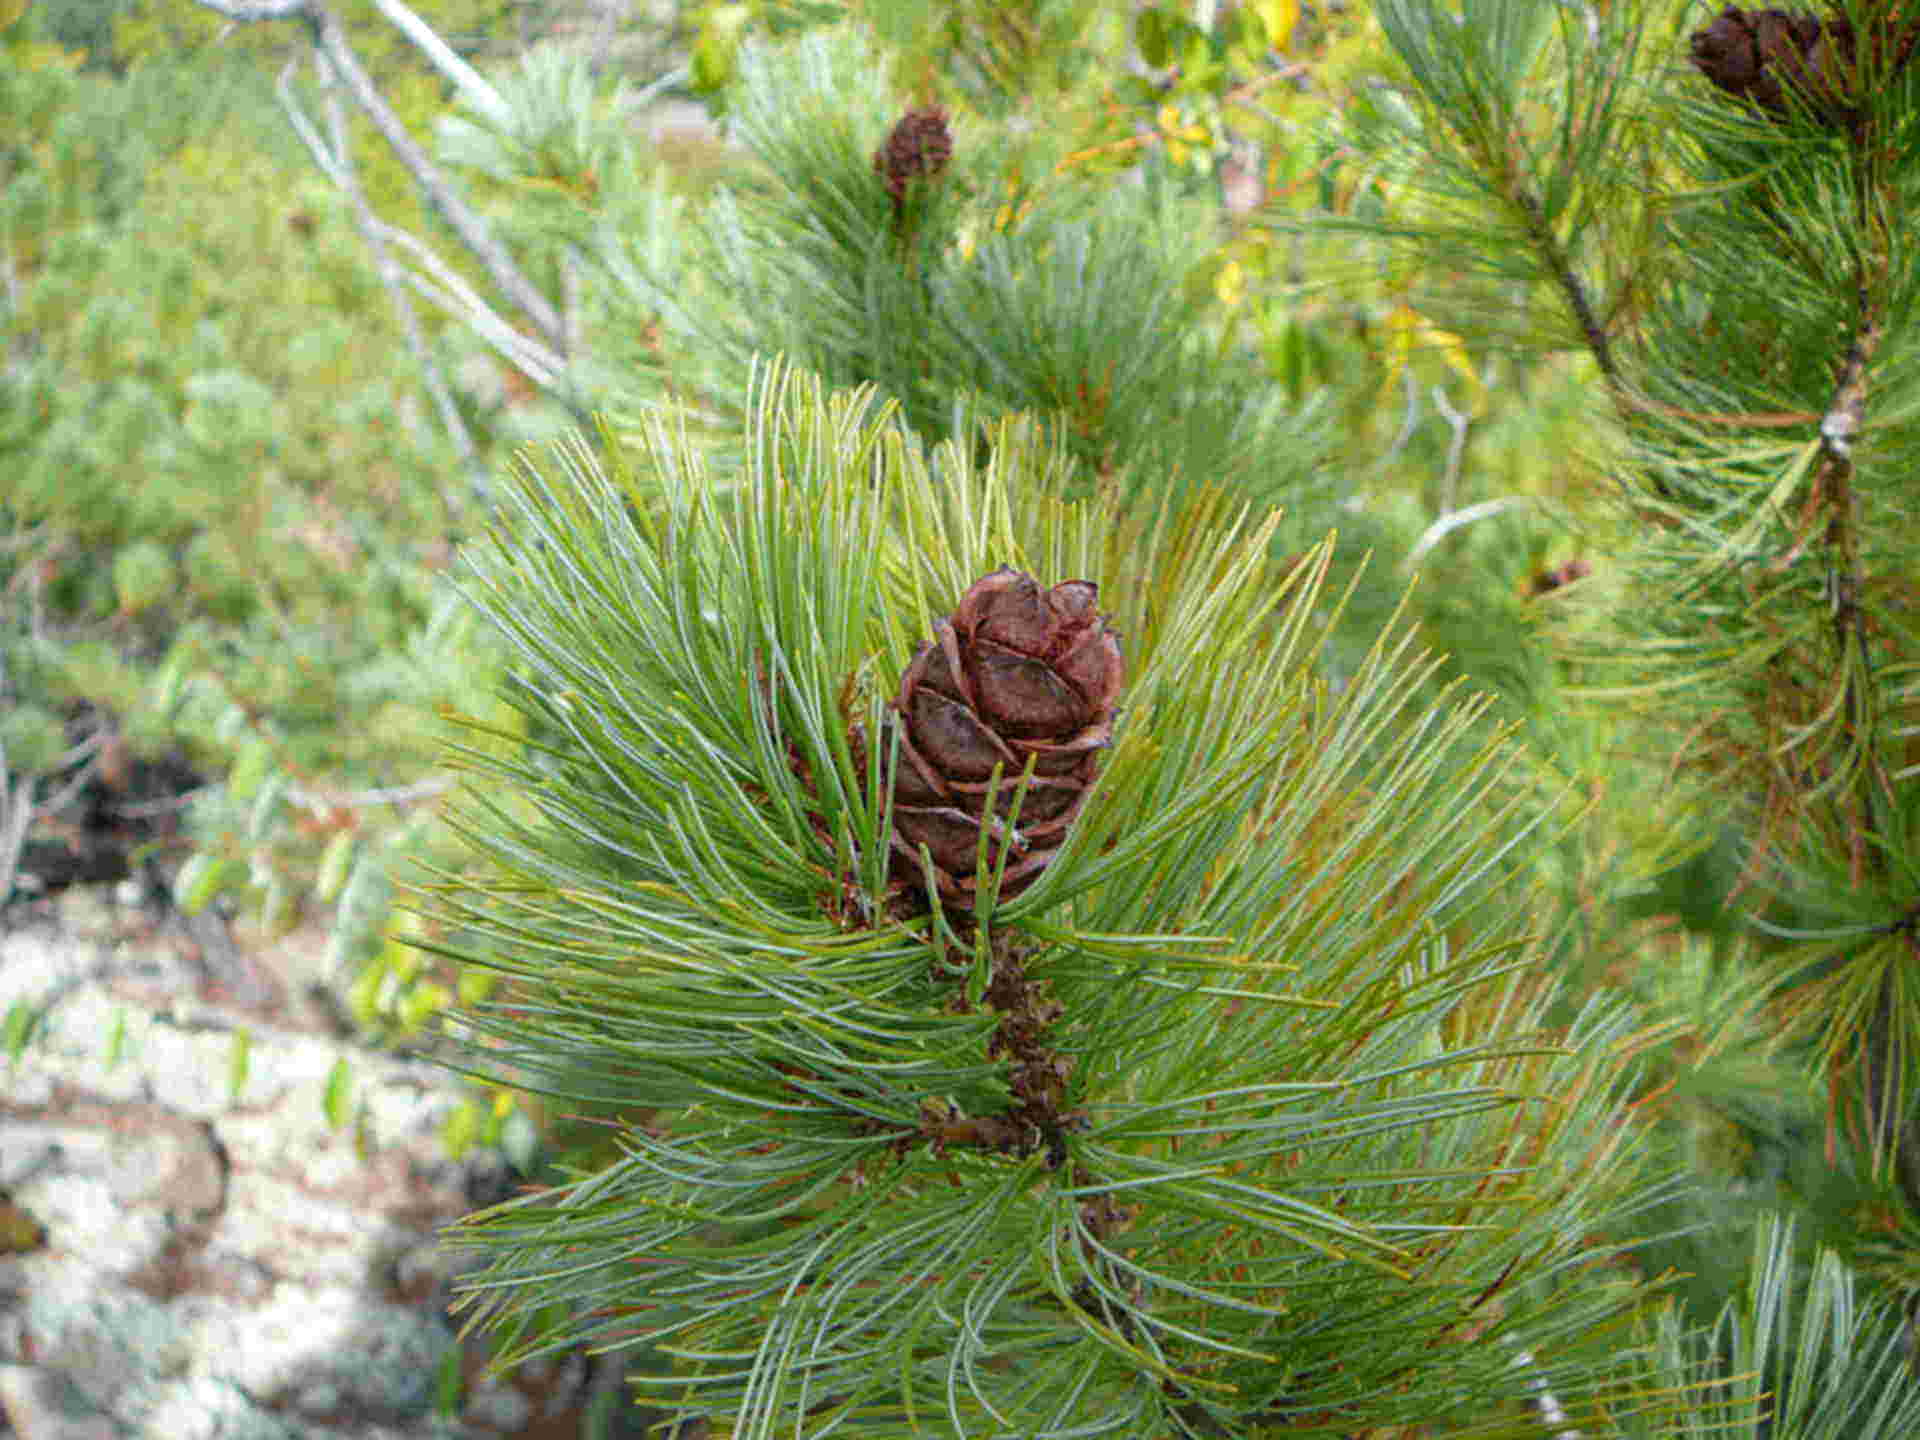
{"x": 1306, "y": 1079}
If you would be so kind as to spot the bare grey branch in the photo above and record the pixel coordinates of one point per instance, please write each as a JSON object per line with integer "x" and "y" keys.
{"x": 467, "y": 224}
{"x": 470, "y": 82}
{"x": 260, "y": 10}
{"x": 391, "y": 278}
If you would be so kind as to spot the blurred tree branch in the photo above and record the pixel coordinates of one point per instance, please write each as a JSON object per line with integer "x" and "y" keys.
{"x": 541, "y": 357}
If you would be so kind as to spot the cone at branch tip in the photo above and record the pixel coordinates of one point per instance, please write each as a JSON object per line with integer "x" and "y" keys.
{"x": 1767, "y": 55}
{"x": 917, "y": 148}
{"x": 1019, "y": 678}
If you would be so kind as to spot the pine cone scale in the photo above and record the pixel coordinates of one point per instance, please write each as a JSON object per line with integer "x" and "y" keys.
{"x": 951, "y": 836}
{"x": 952, "y": 739}
{"x": 1045, "y": 800}
{"x": 1092, "y": 668}
{"x": 1064, "y": 758}
{"x": 1008, "y": 611}
{"x": 939, "y": 669}
{"x": 1026, "y": 697}
{"x": 915, "y": 783}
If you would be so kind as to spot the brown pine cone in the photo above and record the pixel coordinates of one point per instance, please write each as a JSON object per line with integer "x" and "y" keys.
{"x": 1748, "y": 53}
{"x": 1017, "y": 673}
{"x": 917, "y": 148}
{"x": 1761, "y": 55}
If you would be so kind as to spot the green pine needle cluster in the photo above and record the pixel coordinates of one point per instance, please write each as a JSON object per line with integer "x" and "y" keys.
{"x": 1316, "y": 1126}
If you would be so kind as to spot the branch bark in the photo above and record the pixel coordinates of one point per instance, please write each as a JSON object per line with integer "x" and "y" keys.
{"x": 467, "y": 224}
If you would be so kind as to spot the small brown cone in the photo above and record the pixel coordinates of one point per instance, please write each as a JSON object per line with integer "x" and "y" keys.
{"x": 917, "y": 148}
{"x": 1764, "y": 55}
{"x": 1749, "y": 53}
{"x": 1015, "y": 675}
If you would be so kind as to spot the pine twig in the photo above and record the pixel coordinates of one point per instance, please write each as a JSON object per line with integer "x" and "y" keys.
{"x": 395, "y": 795}
{"x": 16, "y": 814}
{"x": 458, "y": 300}
{"x": 1572, "y": 289}
{"x": 466, "y": 222}
{"x": 477, "y": 89}
{"x": 1834, "y": 480}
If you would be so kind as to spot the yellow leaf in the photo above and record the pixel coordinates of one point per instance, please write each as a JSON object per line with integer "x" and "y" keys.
{"x": 333, "y": 1100}
{"x": 1230, "y": 284}
{"x": 476, "y": 984}
{"x": 1279, "y": 16}
{"x": 1402, "y": 321}
{"x": 1454, "y": 351}
{"x": 1408, "y": 329}
{"x": 19, "y": 1231}
{"x": 41, "y": 55}
{"x": 239, "y": 1062}
{"x": 460, "y": 1129}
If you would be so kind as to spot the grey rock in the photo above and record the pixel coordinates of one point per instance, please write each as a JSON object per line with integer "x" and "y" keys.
{"x": 45, "y": 1405}
{"x": 220, "y": 1262}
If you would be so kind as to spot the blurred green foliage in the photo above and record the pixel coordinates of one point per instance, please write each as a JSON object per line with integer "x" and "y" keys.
{"x": 225, "y": 511}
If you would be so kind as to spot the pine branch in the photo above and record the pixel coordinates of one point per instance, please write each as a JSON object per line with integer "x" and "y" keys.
{"x": 1177, "y": 1122}
{"x": 336, "y": 161}
{"x": 1573, "y": 290}
{"x": 1860, "y": 772}
{"x": 477, "y": 89}
{"x": 1764, "y": 617}
{"x": 465, "y": 221}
